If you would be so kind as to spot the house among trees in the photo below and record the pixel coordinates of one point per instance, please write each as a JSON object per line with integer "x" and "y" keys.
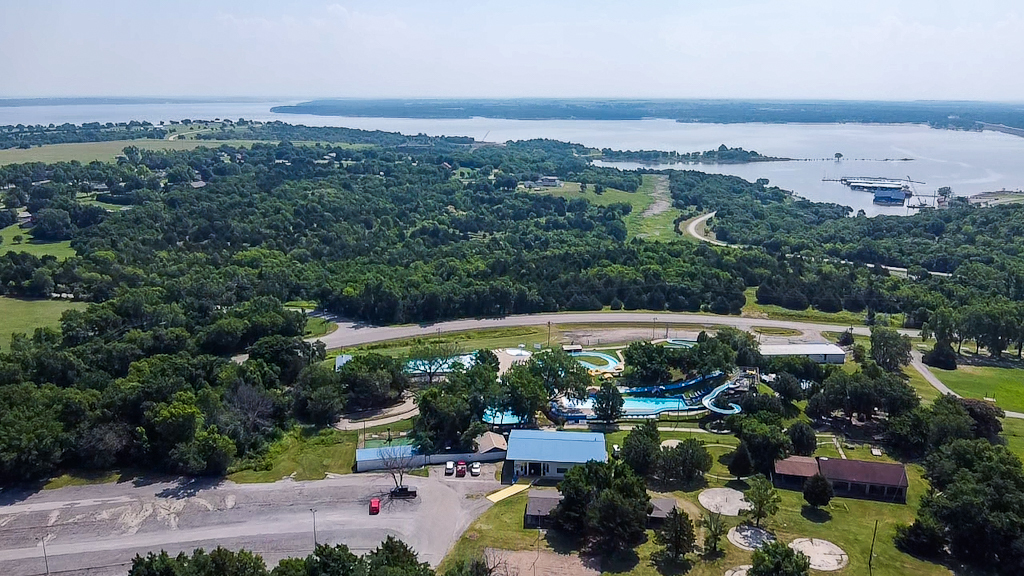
{"x": 849, "y": 478}
{"x": 541, "y": 503}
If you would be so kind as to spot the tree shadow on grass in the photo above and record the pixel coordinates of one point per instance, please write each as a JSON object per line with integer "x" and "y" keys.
{"x": 816, "y": 515}
{"x": 620, "y": 562}
{"x": 561, "y": 542}
{"x": 737, "y": 485}
{"x": 669, "y": 566}
{"x": 712, "y": 556}
{"x": 691, "y": 485}
{"x": 790, "y": 410}
{"x": 726, "y": 459}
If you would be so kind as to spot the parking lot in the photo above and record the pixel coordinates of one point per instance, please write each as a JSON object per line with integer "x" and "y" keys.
{"x": 97, "y": 530}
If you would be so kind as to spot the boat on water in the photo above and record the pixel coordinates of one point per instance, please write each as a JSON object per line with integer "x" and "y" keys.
{"x": 892, "y": 196}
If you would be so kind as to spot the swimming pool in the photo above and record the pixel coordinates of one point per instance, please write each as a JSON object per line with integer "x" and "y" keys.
{"x": 634, "y": 407}
{"x": 610, "y": 362}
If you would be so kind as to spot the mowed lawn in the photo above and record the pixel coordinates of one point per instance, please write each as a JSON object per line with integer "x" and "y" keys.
{"x": 1006, "y": 385}
{"x": 849, "y": 523}
{"x": 27, "y": 315}
{"x": 38, "y": 248}
{"x": 658, "y": 227}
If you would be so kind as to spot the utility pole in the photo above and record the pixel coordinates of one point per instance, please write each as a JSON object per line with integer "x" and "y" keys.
{"x": 46, "y": 561}
{"x": 871, "y": 554}
{"x": 549, "y": 334}
{"x": 313, "y": 510}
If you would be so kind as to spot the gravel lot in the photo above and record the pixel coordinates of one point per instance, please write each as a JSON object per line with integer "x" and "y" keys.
{"x": 97, "y": 530}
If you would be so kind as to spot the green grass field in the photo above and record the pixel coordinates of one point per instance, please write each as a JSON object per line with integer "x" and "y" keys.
{"x": 316, "y": 327}
{"x": 1006, "y": 385}
{"x": 27, "y": 315}
{"x": 308, "y": 454}
{"x": 86, "y": 152}
{"x": 656, "y": 227}
{"x": 468, "y": 340}
{"x": 1013, "y": 433}
{"x": 38, "y": 248}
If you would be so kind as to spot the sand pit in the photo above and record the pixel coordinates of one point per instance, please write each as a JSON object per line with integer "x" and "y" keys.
{"x": 749, "y": 537}
{"x": 824, "y": 555}
{"x": 670, "y": 443}
{"x": 545, "y": 563}
{"x": 738, "y": 571}
{"x": 725, "y": 501}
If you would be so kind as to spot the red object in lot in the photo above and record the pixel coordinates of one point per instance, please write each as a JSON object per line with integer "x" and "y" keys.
{"x": 460, "y": 469}
{"x": 374, "y": 506}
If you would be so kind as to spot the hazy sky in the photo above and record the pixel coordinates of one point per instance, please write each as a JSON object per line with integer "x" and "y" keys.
{"x": 849, "y": 49}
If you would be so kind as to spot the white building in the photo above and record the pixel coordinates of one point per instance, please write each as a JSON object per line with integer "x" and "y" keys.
{"x": 552, "y": 454}
{"x": 822, "y": 353}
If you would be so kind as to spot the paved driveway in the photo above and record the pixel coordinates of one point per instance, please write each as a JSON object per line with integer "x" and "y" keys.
{"x": 97, "y": 530}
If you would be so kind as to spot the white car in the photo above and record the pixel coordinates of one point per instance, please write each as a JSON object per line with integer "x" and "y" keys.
{"x": 449, "y": 468}
{"x": 474, "y": 469}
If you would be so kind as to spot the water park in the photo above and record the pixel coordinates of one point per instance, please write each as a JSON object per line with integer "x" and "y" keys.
{"x": 680, "y": 397}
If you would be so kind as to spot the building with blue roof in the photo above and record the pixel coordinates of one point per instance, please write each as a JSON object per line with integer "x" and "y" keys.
{"x": 546, "y": 454}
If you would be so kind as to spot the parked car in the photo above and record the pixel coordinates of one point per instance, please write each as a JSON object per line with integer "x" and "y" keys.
{"x": 403, "y": 492}
{"x": 460, "y": 469}
{"x": 374, "y": 506}
{"x": 449, "y": 468}
{"x": 474, "y": 468}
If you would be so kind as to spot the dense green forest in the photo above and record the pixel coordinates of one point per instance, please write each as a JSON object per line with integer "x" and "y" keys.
{"x": 721, "y": 155}
{"x": 22, "y": 136}
{"x": 959, "y": 115}
{"x": 188, "y": 276}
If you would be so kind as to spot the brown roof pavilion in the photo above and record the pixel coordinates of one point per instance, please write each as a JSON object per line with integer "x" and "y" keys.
{"x": 860, "y": 472}
{"x": 802, "y": 466}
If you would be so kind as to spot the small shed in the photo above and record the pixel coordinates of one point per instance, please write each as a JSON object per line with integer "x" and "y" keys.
{"x": 860, "y": 479}
{"x": 572, "y": 348}
{"x": 539, "y": 506}
{"x": 660, "y": 509}
{"x": 489, "y": 442}
{"x": 794, "y": 471}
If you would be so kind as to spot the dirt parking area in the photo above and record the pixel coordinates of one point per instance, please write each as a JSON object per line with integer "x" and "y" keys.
{"x": 544, "y": 563}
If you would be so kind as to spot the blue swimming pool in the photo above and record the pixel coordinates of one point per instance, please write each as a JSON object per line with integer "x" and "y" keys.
{"x": 635, "y": 407}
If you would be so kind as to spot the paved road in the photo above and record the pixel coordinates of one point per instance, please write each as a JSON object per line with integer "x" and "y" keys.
{"x": 352, "y": 334}
{"x": 97, "y": 530}
{"x": 691, "y": 229}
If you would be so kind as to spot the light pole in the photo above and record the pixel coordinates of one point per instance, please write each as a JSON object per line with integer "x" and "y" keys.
{"x": 46, "y": 561}
{"x": 313, "y": 510}
{"x": 653, "y": 328}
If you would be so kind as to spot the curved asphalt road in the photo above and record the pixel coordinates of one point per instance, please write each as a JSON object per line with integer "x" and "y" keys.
{"x": 353, "y": 334}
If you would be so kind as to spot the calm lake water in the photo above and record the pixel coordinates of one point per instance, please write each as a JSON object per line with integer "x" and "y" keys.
{"x": 968, "y": 162}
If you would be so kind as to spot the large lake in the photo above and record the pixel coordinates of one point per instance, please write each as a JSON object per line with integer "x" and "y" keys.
{"x": 968, "y": 162}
